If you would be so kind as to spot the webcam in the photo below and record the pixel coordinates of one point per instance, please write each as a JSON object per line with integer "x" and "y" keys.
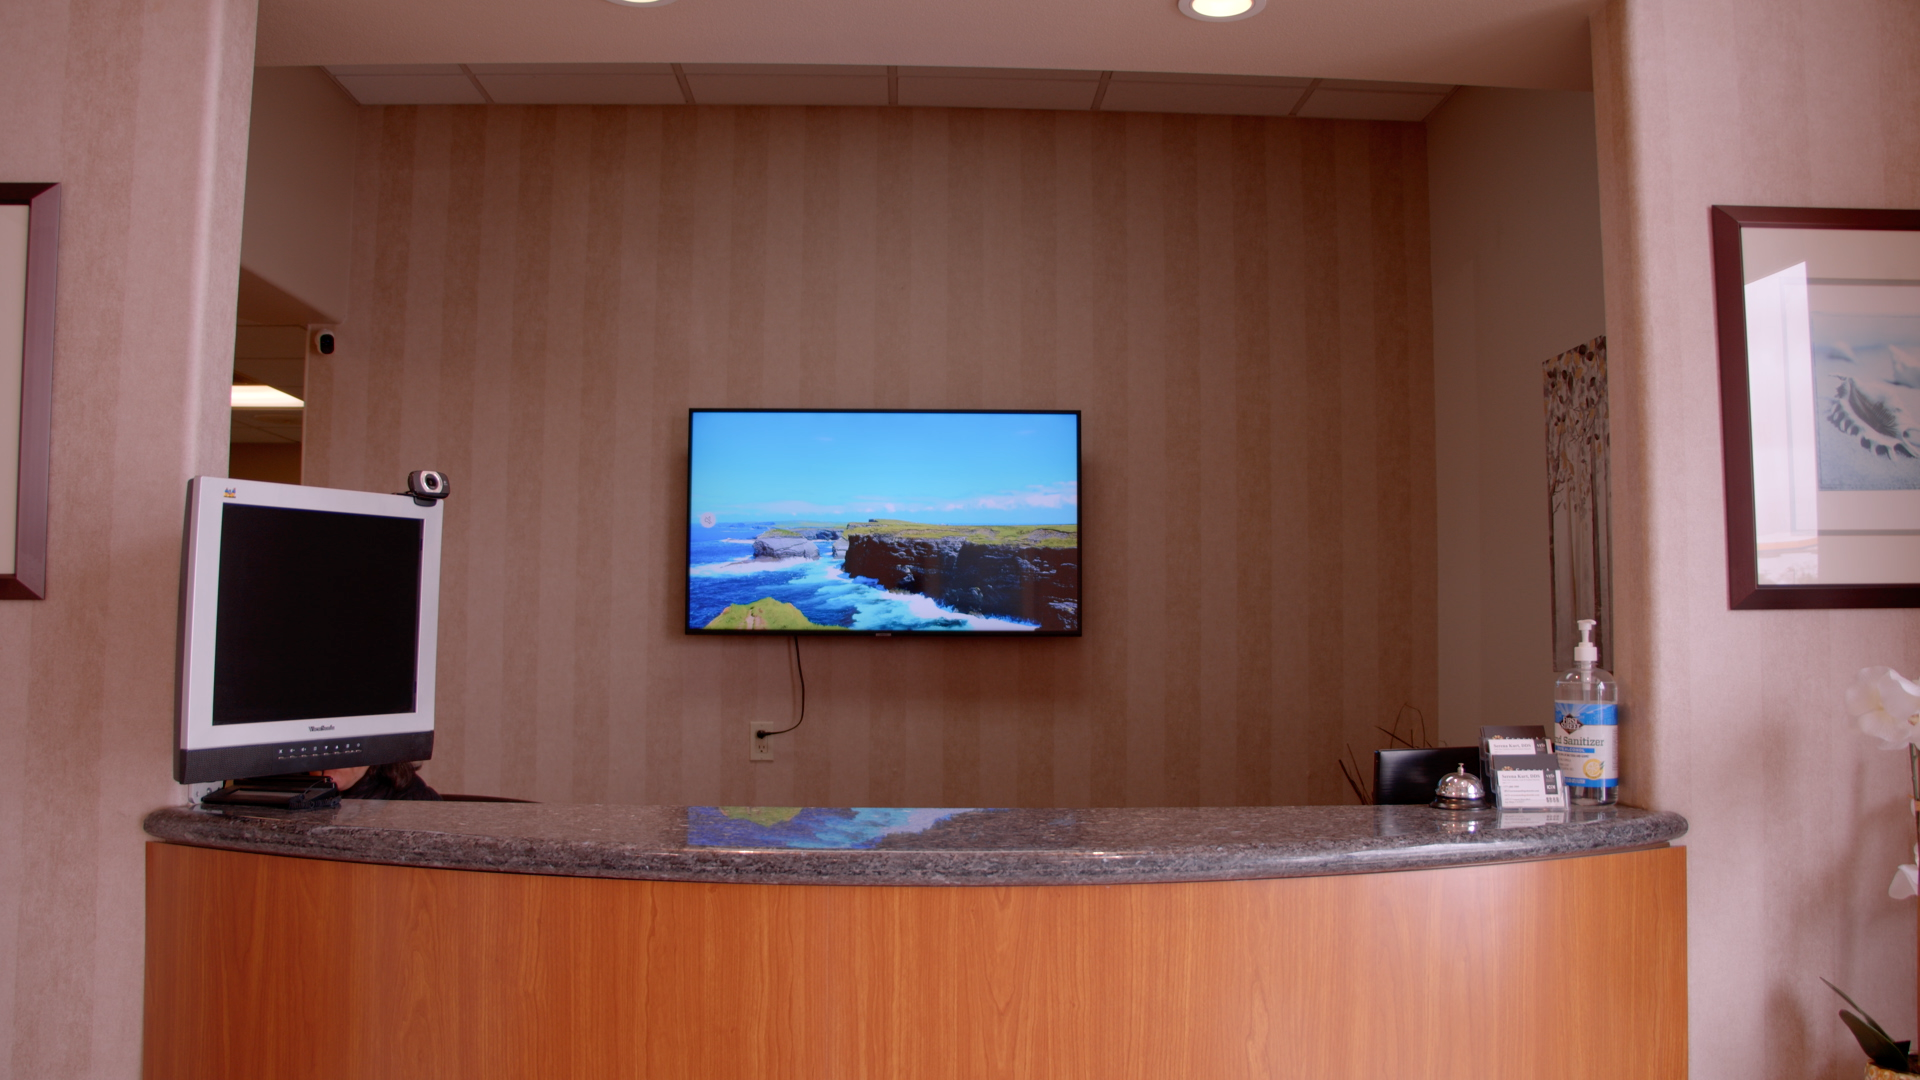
{"x": 426, "y": 486}
{"x": 324, "y": 342}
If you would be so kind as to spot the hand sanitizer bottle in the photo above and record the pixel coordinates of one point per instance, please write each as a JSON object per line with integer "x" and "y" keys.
{"x": 1586, "y": 730}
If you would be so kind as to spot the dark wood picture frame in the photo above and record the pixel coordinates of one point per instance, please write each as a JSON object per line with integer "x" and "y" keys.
{"x": 1744, "y": 589}
{"x": 29, "y": 487}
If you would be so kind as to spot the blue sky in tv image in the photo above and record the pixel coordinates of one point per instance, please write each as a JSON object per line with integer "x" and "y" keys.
{"x": 811, "y": 474}
{"x": 944, "y": 468}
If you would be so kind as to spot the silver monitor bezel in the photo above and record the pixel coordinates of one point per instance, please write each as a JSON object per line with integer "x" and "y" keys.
{"x": 290, "y": 745}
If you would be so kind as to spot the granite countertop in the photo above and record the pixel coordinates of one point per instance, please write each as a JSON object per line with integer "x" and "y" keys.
{"x": 875, "y": 846}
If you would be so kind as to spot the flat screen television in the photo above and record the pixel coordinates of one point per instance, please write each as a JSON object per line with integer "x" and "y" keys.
{"x": 883, "y": 522}
{"x": 307, "y": 627}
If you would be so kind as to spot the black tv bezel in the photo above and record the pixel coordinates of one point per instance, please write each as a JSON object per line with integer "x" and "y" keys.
{"x": 686, "y": 534}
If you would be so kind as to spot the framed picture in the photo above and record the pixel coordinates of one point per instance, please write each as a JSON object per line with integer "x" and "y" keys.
{"x": 29, "y": 250}
{"x": 1818, "y": 312}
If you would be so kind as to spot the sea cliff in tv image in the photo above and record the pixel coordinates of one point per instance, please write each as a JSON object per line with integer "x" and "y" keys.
{"x": 884, "y": 522}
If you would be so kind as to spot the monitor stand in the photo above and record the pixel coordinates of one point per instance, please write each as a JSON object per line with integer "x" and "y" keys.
{"x": 294, "y": 791}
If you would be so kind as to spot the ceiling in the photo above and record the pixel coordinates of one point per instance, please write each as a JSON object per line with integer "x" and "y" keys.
{"x": 276, "y": 356}
{"x": 830, "y": 84}
{"x": 1540, "y": 44}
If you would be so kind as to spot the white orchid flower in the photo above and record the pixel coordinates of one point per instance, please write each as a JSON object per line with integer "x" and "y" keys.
{"x": 1906, "y": 879}
{"x": 1886, "y": 706}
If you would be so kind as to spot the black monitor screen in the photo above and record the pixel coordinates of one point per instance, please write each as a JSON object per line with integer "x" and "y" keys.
{"x": 318, "y": 615}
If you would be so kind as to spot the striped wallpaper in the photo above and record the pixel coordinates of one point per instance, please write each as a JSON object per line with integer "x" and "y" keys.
{"x": 1747, "y": 103}
{"x": 139, "y": 112}
{"x": 1239, "y": 306}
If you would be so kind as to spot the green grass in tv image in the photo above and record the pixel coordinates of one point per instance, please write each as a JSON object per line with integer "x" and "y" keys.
{"x": 764, "y": 614}
{"x": 1039, "y": 536}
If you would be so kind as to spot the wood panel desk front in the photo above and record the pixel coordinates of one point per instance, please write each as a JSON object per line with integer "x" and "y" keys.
{"x": 290, "y": 968}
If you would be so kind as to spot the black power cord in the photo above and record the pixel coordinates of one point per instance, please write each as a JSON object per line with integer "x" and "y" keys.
{"x": 802, "y": 670}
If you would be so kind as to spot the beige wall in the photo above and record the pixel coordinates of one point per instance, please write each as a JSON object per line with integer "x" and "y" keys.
{"x": 1735, "y": 719}
{"x": 140, "y": 111}
{"x": 1516, "y": 279}
{"x": 298, "y": 236}
{"x": 1239, "y": 306}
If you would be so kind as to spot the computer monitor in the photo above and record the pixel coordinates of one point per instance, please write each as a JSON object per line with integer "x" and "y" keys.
{"x": 308, "y": 619}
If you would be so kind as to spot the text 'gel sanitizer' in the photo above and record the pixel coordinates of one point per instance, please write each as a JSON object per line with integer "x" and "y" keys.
{"x": 1586, "y": 728}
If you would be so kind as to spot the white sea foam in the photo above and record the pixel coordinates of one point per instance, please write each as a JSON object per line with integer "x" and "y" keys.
{"x": 873, "y": 608}
{"x": 923, "y": 608}
{"x": 747, "y": 566}
{"x": 881, "y": 610}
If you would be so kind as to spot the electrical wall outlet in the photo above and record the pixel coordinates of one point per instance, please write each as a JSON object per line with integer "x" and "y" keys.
{"x": 758, "y": 749}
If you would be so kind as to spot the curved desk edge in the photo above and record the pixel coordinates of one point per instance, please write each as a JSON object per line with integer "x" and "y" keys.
{"x": 964, "y": 848}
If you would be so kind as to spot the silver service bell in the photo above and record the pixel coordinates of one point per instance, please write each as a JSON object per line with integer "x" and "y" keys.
{"x": 1461, "y": 790}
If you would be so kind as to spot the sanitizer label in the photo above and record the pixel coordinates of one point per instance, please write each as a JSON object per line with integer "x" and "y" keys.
{"x": 1587, "y": 738}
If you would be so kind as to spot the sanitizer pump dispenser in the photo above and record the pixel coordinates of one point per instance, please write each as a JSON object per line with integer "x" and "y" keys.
{"x": 1586, "y": 729}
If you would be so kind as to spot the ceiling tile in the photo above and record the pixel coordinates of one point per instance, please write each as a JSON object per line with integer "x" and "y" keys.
{"x": 571, "y": 69}
{"x": 1237, "y": 100}
{"x": 455, "y": 89}
{"x": 289, "y": 376}
{"x": 1206, "y": 80}
{"x": 829, "y": 84}
{"x": 1328, "y": 104}
{"x": 784, "y": 89}
{"x": 999, "y": 73}
{"x": 784, "y": 69}
{"x": 1356, "y": 84}
{"x": 395, "y": 69}
{"x": 999, "y": 93}
{"x": 270, "y": 342}
{"x": 265, "y": 426}
{"x": 584, "y": 89}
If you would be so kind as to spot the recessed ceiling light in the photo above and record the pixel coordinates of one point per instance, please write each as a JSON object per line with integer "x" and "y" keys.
{"x": 1221, "y": 10}
{"x": 258, "y": 396}
{"x": 640, "y": 3}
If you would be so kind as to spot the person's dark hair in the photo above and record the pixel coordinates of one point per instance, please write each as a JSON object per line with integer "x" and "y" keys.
{"x": 400, "y": 780}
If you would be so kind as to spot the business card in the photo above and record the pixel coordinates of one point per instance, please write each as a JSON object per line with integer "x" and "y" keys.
{"x": 1501, "y": 739}
{"x": 1528, "y": 782}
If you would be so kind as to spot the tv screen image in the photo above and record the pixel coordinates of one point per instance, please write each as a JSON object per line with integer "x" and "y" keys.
{"x": 880, "y": 522}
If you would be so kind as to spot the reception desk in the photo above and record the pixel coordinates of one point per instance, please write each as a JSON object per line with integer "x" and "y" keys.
{"x": 477, "y": 940}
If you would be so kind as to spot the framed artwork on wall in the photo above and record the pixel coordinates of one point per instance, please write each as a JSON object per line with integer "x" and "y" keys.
{"x": 29, "y": 251}
{"x": 1818, "y": 313}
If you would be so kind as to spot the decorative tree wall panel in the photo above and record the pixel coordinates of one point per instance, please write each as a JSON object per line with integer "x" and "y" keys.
{"x": 1579, "y": 536}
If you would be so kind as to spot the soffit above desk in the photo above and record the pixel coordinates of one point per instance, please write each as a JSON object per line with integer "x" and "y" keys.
{"x": 1527, "y": 44}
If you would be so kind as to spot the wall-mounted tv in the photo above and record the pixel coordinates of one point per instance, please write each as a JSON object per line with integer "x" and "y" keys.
{"x": 877, "y": 522}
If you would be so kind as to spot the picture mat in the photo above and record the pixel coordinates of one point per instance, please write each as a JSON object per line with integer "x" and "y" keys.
{"x": 1861, "y": 254}
{"x": 1782, "y": 409}
{"x": 13, "y": 331}
{"x": 1862, "y": 314}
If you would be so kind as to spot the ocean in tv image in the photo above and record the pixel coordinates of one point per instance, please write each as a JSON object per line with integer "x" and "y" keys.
{"x": 884, "y": 522}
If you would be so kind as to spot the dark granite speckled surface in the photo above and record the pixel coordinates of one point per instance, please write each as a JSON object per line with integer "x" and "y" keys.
{"x": 827, "y": 846}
